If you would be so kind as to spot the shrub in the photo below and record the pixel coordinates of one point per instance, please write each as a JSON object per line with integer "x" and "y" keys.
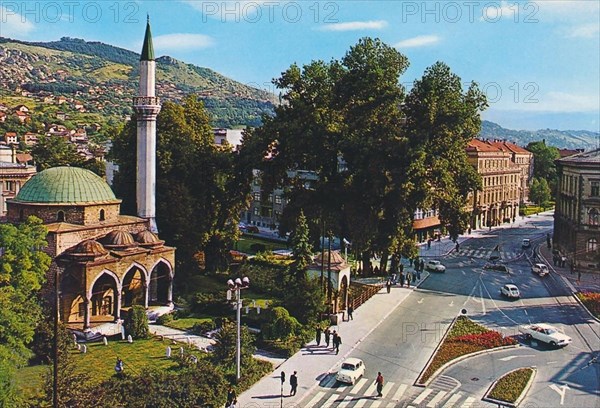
{"x": 256, "y": 248}
{"x": 510, "y": 387}
{"x": 136, "y": 323}
{"x": 204, "y": 327}
{"x": 591, "y": 300}
{"x": 208, "y": 303}
{"x": 165, "y": 319}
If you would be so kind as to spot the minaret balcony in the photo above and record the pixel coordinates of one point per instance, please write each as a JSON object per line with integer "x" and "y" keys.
{"x": 146, "y": 101}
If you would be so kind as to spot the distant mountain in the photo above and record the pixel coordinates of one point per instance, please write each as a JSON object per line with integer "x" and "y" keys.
{"x": 104, "y": 78}
{"x": 563, "y": 139}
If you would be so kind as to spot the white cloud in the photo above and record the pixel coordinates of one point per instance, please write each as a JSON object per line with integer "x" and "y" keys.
{"x": 555, "y": 102}
{"x": 584, "y": 31}
{"x": 12, "y": 24}
{"x": 355, "y": 25}
{"x": 566, "y": 10}
{"x": 182, "y": 41}
{"x": 419, "y": 41}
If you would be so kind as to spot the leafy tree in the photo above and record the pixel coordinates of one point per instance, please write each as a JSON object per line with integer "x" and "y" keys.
{"x": 280, "y": 324}
{"x": 136, "y": 323}
{"x": 53, "y": 151}
{"x": 539, "y": 192}
{"x": 305, "y": 299}
{"x": 225, "y": 348}
{"x": 43, "y": 340}
{"x": 23, "y": 267}
{"x": 201, "y": 188}
{"x": 543, "y": 162}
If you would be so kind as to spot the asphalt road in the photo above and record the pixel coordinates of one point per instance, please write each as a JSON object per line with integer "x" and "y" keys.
{"x": 403, "y": 343}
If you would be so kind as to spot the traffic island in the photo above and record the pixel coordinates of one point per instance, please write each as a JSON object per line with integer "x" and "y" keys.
{"x": 510, "y": 389}
{"x": 464, "y": 338}
{"x": 591, "y": 301}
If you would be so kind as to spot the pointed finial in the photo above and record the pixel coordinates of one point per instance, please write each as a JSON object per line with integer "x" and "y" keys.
{"x": 148, "y": 18}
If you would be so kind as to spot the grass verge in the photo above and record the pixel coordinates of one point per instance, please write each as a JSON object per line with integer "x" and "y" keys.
{"x": 511, "y": 386}
{"x": 591, "y": 300}
{"x": 465, "y": 337}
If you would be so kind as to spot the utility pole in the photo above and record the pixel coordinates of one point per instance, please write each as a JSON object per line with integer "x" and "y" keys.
{"x": 55, "y": 343}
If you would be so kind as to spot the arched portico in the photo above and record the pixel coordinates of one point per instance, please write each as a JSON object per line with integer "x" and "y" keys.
{"x": 105, "y": 296}
{"x": 160, "y": 285}
{"x": 135, "y": 286}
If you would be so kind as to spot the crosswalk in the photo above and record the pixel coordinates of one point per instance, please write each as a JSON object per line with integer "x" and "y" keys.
{"x": 363, "y": 393}
{"x": 485, "y": 254}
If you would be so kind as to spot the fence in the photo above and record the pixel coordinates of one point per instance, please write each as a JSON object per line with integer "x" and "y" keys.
{"x": 362, "y": 292}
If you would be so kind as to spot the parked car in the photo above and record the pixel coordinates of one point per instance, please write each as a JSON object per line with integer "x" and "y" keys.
{"x": 540, "y": 269}
{"x": 352, "y": 369}
{"x": 435, "y": 266}
{"x": 526, "y": 243}
{"x": 253, "y": 229}
{"x": 510, "y": 291}
{"x": 545, "y": 333}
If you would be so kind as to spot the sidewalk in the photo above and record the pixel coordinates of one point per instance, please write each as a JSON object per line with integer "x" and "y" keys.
{"x": 577, "y": 281}
{"x": 313, "y": 363}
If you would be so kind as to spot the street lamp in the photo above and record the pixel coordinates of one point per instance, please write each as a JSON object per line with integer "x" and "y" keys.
{"x": 235, "y": 286}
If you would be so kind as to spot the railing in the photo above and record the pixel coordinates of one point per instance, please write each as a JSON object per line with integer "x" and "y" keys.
{"x": 366, "y": 293}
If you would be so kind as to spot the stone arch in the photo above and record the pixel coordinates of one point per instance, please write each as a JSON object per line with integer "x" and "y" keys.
{"x": 104, "y": 294}
{"x": 134, "y": 286}
{"x": 102, "y": 216}
{"x": 60, "y": 216}
{"x": 160, "y": 283}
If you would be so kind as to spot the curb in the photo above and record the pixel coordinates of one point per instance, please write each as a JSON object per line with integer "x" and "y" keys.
{"x": 584, "y": 307}
{"x": 426, "y": 383}
{"x": 519, "y": 399}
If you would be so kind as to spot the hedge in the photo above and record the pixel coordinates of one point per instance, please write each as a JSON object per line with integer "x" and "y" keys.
{"x": 510, "y": 387}
{"x": 591, "y": 300}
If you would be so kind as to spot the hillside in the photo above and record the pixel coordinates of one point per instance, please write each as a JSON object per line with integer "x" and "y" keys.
{"x": 563, "y": 139}
{"x": 104, "y": 78}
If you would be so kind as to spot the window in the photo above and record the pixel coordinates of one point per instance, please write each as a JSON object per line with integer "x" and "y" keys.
{"x": 102, "y": 215}
{"x": 277, "y": 199}
{"x": 594, "y": 218}
{"x": 592, "y": 245}
{"x": 256, "y": 211}
{"x": 256, "y": 196}
{"x": 595, "y": 189}
{"x": 60, "y": 217}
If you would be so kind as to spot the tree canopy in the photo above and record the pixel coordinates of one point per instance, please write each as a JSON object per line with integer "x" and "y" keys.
{"x": 378, "y": 154}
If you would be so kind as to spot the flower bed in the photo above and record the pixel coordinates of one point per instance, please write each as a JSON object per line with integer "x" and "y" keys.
{"x": 465, "y": 337}
{"x": 511, "y": 386}
{"x": 591, "y": 300}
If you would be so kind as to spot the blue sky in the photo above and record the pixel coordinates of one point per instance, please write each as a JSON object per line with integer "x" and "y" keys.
{"x": 538, "y": 62}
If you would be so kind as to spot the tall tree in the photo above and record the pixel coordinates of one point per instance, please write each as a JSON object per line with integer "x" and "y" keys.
{"x": 301, "y": 247}
{"x": 543, "y": 162}
{"x": 23, "y": 267}
{"x": 539, "y": 192}
{"x": 201, "y": 188}
{"x": 53, "y": 151}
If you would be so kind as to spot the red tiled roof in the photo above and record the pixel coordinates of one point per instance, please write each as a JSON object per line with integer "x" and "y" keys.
{"x": 24, "y": 157}
{"x": 481, "y": 146}
{"x": 509, "y": 147}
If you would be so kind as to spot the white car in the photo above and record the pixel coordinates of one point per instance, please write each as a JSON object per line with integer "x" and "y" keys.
{"x": 545, "y": 333}
{"x": 435, "y": 266}
{"x": 540, "y": 268}
{"x": 352, "y": 369}
{"x": 510, "y": 291}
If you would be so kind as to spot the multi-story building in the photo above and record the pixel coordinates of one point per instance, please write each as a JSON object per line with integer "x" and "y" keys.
{"x": 577, "y": 212}
{"x": 13, "y": 175}
{"x": 499, "y": 199}
{"x": 524, "y": 160}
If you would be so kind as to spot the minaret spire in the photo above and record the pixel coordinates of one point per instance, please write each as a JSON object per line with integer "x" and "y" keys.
{"x": 147, "y": 107}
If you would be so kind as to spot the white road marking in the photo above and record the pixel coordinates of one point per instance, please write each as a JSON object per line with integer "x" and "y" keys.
{"x": 358, "y": 386}
{"x": 315, "y": 399}
{"x": 387, "y": 387}
{"x": 451, "y": 303}
{"x": 361, "y": 403}
{"x": 371, "y": 389}
{"x": 330, "y": 401}
{"x": 438, "y": 397}
{"x": 468, "y": 403}
{"x": 420, "y": 300}
{"x": 513, "y": 357}
{"x": 376, "y": 404}
{"x": 399, "y": 392}
{"x": 450, "y": 403}
{"x": 346, "y": 401}
{"x": 561, "y": 391}
{"x": 422, "y": 396}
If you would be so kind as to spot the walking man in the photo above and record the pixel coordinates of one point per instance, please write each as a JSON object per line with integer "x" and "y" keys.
{"x": 327, "y": 337}
{"x": 337, "y": 340}
{"x": 231, "y": 397}
{"x": 388, "y": 285}
{"x": 350, "y": 311}
{"x": 457, "y": 247}
{"x": 318, "y": 335}
{"x": 379, "y": 382}
{"x": 293, "y": 383}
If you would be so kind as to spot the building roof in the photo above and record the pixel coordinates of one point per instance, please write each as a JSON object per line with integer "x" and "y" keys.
{"x": 481, "y": 146}
{"x": 509, "y": 147}
{"x": 66, "y": 185}
{"x": 591, "y": 157}
{"x": 147, "y": 49}
{"x": 569, "y": 152}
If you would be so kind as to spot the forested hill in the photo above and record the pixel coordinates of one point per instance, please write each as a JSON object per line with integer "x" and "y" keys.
{"x": 563, "y": 139}
{"x": 104, "y": 78}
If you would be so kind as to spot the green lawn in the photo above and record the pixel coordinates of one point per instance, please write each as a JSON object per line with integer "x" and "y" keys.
{"x": 99, "y": 361}
{"x": 244, "y": 244}
{"x": 186, "y": 323}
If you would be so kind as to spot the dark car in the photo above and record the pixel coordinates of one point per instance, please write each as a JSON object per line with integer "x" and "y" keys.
{"x": 253, "y": 229}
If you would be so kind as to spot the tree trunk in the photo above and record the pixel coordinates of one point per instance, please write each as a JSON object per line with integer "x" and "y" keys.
{"x": 366, "y": 257}
{"x": 384, "y": 261}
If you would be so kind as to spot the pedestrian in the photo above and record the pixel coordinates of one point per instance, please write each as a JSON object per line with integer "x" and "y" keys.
{"x": 572, "y": 267}
{"x": 410, "y": 262}
{"x": 337, "y": 340}
{"x": 318, "y": 335}
{"x": 379, "y": 382}
{"x": 293, "y": 383}
{"x": 119, "y": 366}
{"x": 231, "y": 398}
{"x": 408, "y": 279}
{"x": 457, "y": 247}
{"x": 429, "y": 243}
{"x": 422, "y": 265}
{"x": 388, "y": 285}
{"x": 350, "y": 311}
{"x": 327, "y": 337}
{"x": 401, "y": 281}
{"x": 402, "y": 267}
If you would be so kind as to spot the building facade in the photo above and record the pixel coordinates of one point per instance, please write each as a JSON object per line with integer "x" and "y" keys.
{"x": 577, "y": 212}
{"x": 499, "y": 199}
{"x": 13, "y": 175}
{"x": 524, "y": 160}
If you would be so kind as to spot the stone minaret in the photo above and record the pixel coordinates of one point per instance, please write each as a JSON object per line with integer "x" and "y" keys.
{"x": 146, "y": 106}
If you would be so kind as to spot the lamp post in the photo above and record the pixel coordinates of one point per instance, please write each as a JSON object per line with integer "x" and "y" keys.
{"x": 236, "y": 286}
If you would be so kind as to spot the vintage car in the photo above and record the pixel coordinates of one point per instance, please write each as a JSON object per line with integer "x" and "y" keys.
{"x": 435, "y": 266}
{"x": 540, "y": 269}
{"x": 510, "y": 291}
{"x": 352, "y": 369}
{"x": 545, "y": 333}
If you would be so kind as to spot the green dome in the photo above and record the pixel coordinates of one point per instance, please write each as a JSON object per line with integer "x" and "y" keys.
{"x": 66, "y": 185}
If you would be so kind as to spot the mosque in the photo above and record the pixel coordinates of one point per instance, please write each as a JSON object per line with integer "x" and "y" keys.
{"x": 104, "y": 261}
